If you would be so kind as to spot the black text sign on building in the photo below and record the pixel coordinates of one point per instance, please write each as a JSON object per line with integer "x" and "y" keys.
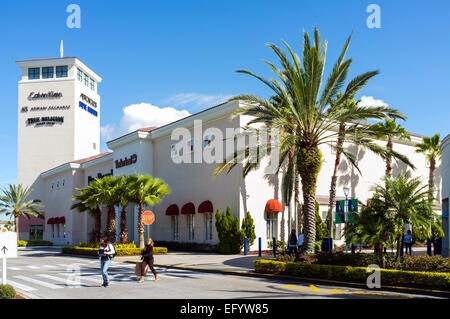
{"x": 126, "y": 161}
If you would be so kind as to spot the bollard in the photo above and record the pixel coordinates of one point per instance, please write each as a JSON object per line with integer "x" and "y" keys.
{"x": 259, "y": 247}
{"x": 274, "y": 244}
{"x": 245, "y": 246}
{"x": 428, "y": 246}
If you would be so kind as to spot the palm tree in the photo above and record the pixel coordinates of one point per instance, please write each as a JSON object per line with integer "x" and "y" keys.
{"x": 372, "y": 226}
{"x": 430, "y": 147}
{"x": 300, "y": 111}
{"x": 146, "y": 190}
{"x": 389, "y": 130}
{"x": 15, "y": 203}
{"x": 107, "y": 194}
{"x": 88, "y": 201}
{"x": 124, "y": 197}
{"x": 407, "y": 200}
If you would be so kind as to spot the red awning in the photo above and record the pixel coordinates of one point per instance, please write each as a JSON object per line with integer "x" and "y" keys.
{"x": 273, "y": 205}
{"x": 51, "y": 221}
{"x": 59, "y": 220}
{"x": 172, "y": 210}
{"x": 205, "y": 207}
{"x": 188, "y": 209}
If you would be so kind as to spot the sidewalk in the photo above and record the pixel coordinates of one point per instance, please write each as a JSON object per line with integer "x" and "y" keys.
{"x": 210, "y": 261}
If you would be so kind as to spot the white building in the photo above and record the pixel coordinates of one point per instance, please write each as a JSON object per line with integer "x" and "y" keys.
{"x": 187, "y": 214}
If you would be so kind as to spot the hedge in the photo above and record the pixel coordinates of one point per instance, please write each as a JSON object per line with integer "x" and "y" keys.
{"x": 185, "y": 246}
{"x": 30, "y": 243}
{"x": 352, "y": 274}
{"x": 87, "y": 251}
{"x": 7, "y": 292}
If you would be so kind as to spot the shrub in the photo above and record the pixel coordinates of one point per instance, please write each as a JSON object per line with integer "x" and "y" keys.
{"x": 352, "y": 274}
{"x": 248, "y": 228}
{"x": 30, "y": 243}
{"x": 280, "y": 244}
{"x": 90, "y": 251}
{"x": 7, "y": 292}
{"x": 231, "y": 237}
{"x": 185, "y": 246}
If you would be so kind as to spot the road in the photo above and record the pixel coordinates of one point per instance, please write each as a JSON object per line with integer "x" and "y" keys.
{"x": 46, "y": 274}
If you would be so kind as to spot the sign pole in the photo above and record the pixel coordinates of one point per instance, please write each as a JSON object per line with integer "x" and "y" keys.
{"x": 4, "y": 271}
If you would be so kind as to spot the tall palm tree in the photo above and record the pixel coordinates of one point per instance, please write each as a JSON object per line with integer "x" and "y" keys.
{"x": 430, "y": 147}
{"x": 408, "y": 201}
{"x": 303, "y": 117}
{"x": 146, "y": 190}
{"x": 15, "y": 202}
{"x": 88, "y": 201}
{"x": 124, "y": 197}
{"x": 350, "y": 104}
{"x": 389, "y": 130}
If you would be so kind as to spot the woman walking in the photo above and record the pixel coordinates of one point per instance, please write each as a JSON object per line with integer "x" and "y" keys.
{"x": 106, "y": 253}
{"x": 147, "y": 259}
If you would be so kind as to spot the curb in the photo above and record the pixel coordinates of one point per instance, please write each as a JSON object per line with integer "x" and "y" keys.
{"x": 294, "y": 278}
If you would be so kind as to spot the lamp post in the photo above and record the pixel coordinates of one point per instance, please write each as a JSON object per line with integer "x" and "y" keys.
{"x": 346, "y": 192}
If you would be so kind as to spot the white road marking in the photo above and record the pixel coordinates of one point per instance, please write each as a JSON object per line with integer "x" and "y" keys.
{"x": 50, "y": 266}
{"x": 14, "y": 268}
{"x": 20, "y": 286}
{"x": 39, "y": 282}
{"x": 66, "y": 281}
{"x": 33, "y": 267}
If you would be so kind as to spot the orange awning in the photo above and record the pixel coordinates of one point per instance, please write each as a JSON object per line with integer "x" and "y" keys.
{"x": 273, "y": 205}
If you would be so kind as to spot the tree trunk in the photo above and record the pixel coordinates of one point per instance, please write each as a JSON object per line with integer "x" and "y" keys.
{"x": 141, "y": 226}
{"x": 389, "y": 158}
{"x": 111, "y": 228}
{"x": 337, "y": 161}
{"x": 98, "y": 224}
{"x": 309, "y": 163}
{"x": 380, "y": 248}
{"x": 16, "y": 225}
{"x": 123, "y": 226}
{"x": 298, "y": 221}
{"x": 431, "y": 178}
{"x": 399, "y": 245}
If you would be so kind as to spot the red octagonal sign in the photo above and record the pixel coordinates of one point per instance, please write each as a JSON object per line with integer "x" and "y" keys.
{"x": 148, "y": 217}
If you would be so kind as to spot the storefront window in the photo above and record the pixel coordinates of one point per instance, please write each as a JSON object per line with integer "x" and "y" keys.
{"x": 175, "y": 234}
{"x": 36, "y": 232}
{"x": 191, "y": 227}
{"x": 208, "y": 226}
{"x": 272, "y": 225}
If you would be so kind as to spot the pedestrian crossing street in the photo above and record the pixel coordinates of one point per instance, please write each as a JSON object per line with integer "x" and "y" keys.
{"x": 30, "y": 278}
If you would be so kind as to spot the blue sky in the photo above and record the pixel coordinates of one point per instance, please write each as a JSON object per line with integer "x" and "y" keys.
{"x": 183, "y": 54}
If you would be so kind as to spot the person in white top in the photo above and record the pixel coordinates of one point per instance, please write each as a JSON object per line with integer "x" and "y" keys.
{"x": 106, "y": 253}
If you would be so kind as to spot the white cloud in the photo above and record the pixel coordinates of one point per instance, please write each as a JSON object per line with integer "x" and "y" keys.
{"x": 141, "y": 115}
{"x": 197, "y": 100}
{"x": 371, "y": 101}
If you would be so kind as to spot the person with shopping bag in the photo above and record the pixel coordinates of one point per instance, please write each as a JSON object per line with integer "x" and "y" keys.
{"x": 147, "y": 260}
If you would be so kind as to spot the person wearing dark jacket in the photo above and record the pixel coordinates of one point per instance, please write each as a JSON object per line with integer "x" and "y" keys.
{"x": 147, "y": 259}
{"x": 292, "y": 242}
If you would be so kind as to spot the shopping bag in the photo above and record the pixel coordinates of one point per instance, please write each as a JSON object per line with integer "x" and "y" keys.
{"x": 138, "y": 269}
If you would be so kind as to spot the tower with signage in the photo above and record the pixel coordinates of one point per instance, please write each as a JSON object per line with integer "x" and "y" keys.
{"x": 58, "y": 115}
